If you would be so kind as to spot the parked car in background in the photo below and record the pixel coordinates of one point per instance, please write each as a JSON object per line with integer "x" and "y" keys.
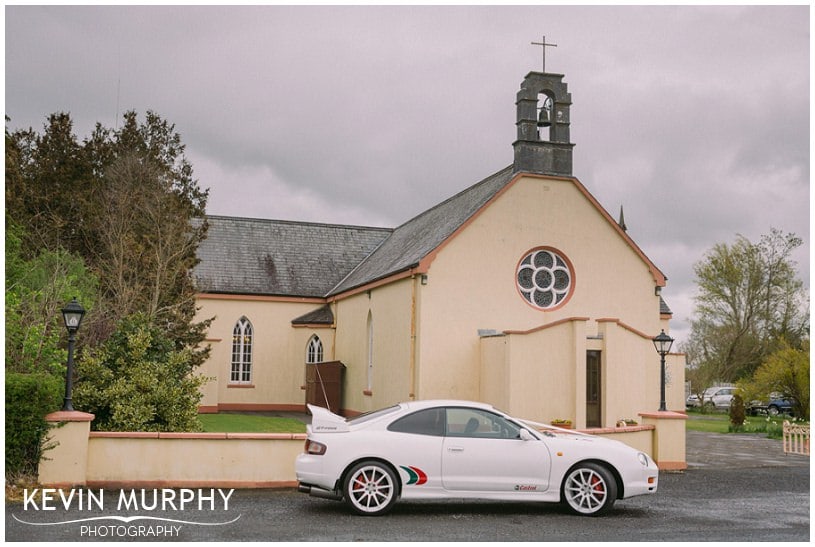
{"x": 712, "y": 397}
{"x": 774, "y": 405}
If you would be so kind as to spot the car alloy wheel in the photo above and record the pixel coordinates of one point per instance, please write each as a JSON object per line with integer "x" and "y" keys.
{"x": 589, "y": 489}
{"x": 370, "y": 488}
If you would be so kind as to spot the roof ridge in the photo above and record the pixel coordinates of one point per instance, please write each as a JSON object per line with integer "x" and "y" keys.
{"x": 485, "y": 180}
{"x": 419, "y": 220}
{"x": 359, "y": 265}
{"x": 299, "y": 222}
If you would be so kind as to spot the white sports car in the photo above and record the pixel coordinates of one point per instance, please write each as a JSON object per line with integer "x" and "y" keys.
{"x": 458, "y": 449}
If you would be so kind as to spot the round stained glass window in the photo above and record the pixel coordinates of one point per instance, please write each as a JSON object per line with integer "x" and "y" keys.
{"x": 544, "y": 278}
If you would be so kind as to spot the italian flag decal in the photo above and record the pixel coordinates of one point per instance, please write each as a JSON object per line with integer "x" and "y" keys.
{"x": 415, "y": 475}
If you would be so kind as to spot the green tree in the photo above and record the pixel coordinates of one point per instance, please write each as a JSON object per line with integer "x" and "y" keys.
{"x": 700, "y": 377}
{"x": 126, "y": 201}
{"x": 748, "y": 299}
{"x": 48, "y": 184}
{"x": 139, "y": 381}
{"x": 785, "y": 371}
{"x": 149, "y": 223}
{"x": 36, "y": 290}
{"x": 147, "y": 246}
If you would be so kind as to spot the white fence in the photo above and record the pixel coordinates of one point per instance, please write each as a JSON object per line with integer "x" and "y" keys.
{"x": 796, "y": 439}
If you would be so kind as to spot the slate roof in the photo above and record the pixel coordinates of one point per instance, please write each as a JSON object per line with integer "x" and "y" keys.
{"x": 280, "y": 258}
{"x": 663, "y": 307}
{"x": 302, "y": 259}
{"x": 415, "y": 239}
{"x": 320, "y": 316}
{"x": 285, "y": 258}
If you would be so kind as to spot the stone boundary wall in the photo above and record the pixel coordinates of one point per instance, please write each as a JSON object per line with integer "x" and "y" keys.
{"x": 234, "y": 460}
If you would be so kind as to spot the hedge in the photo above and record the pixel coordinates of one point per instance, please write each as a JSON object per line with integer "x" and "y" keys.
{"x": 29, "y": 397}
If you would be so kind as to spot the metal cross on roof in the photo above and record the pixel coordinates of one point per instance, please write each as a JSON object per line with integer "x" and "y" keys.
{"x": 543, "y": 45}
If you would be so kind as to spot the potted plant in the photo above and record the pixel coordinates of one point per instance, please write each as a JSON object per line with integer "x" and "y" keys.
{"x": 561, "y": 422}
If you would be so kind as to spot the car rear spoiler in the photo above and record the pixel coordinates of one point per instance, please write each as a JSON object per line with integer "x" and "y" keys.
{"x": 325, "y": 421}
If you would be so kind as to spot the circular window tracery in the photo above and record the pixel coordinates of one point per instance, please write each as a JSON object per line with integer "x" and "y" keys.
{"x": 544, "y": 278}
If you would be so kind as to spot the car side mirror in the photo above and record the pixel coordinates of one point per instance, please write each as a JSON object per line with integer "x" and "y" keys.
{"x": 526, "y": 435}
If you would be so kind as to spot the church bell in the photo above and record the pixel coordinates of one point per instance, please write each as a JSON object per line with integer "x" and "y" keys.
{"x": 544, "y": 120}
{"x": 545, "y": 116}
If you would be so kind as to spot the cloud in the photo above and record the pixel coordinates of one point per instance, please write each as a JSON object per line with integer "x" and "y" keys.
{"x": 694, "y": 118}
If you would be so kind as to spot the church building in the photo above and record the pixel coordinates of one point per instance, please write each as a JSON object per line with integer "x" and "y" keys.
{"x": 521, "y": 291}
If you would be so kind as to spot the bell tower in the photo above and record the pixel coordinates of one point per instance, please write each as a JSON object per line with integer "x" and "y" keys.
{"x": 543, "y": 146}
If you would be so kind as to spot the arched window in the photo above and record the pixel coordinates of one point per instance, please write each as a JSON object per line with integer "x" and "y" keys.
{"x": 241, "y": 371}
{"x": 314, "y": 350}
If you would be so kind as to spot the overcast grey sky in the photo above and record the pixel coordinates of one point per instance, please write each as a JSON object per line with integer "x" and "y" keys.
{"x": 695, "y": 119}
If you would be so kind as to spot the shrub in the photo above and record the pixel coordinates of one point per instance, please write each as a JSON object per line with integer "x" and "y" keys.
{"x": 29, "y": 397}
{"x": 36, "y": 289}
{"x": 772, "y": 427}
{"x": 786, "y": 371}
{"x": 737, "y": 411}
{"x": 140, "y": 381}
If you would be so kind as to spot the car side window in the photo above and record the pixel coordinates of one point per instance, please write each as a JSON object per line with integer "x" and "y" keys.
{"x": 423, "y": 422}
{"x": 479, "y": 424}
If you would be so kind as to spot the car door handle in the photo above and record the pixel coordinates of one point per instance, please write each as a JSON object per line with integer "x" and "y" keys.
{"x": 455, "y": 449}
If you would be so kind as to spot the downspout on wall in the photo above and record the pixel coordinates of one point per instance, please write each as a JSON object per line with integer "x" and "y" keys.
{"x": 413, "y": 315}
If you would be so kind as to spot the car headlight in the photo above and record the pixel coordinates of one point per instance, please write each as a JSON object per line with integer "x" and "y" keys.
{"x": 643, "y": 458}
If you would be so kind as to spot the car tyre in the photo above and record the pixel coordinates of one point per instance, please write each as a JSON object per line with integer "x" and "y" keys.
{"x": 589, "y": 489}
{"x": 371, "y": 488}
{"x": 772, "y": 410}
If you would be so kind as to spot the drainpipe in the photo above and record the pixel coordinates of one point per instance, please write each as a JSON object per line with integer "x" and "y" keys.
{"x": 412, "y": 394}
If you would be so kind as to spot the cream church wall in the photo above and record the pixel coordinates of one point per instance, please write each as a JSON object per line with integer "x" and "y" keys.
{"x": 470, "y": 286}
{"x": 390, "y": 310}
{"x": 546, "y": 369}
{"x": 540, "y": 375}
{"x": 471, "y": 282}
{"x": 494, "y": 371}
{"x": 278, "y": 353}
{"x": 635, "y": 375}
{"x": 611, "y": 280}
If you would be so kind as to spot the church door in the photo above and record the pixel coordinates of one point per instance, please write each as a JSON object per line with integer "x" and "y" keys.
{"x": 593, "y": 418}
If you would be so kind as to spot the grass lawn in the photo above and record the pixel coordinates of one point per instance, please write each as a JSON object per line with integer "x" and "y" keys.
{"x": 719, "y": 422}
{"x": 227, "y": 422}
{"x": 710, "y": 422}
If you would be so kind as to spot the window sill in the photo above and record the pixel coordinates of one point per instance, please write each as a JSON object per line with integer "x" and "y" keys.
{"x": 240, "y": 386}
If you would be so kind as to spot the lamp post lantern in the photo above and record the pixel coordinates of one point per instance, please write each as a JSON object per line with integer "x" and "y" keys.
{"x": 72, "y": 315}
{"x": 662, "y": 343}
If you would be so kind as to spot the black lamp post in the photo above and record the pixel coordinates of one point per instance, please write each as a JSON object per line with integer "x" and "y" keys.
{"x": 662, "y": 343}
{"x": 72, "y": 314}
